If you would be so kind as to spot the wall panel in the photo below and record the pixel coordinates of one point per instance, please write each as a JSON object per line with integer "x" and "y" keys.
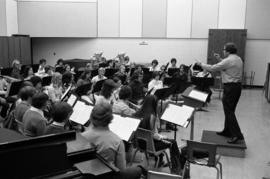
{"x": 179, "y": 18}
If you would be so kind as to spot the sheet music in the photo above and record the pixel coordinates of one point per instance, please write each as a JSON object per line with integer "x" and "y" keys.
{"x": 71, "y": 100}
{"x": 124, "y": 126}
{"x": 81, "y": 113}
{"x": 201, "y": 96}
{"x": 178, "y": 115}
{"x": 66, "y": 92}
{"x": 87, "y": 99}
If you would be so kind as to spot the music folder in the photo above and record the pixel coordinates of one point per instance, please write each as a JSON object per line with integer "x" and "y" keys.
{"x": 81, "y": 113}
{"x": 194, "y": 98}
{"x": 124, "y": 127}
{"x": 178, "y": 115}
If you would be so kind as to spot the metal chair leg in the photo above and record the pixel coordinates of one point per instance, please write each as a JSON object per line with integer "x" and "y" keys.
{"x": 168, "y": 160}
{"x": 184, "y": 170}
{"x": 217, "y": 172}
{"x": 147, "y": 159}
{"x": 157, "y": 162}
{"x": 220, "y": 168}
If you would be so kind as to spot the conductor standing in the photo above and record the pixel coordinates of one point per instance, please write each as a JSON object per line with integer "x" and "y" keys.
{"x": 231, "y": 68}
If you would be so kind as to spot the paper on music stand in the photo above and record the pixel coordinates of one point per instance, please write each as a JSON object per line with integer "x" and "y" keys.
{"x": 71, "y": 100}
{"x": 87, "y": 99}
{"x": 178, "y": 115}
{"x": 201, "y": 96}
{"x": 124, "y": 126}
{"x": 81, "y": 113}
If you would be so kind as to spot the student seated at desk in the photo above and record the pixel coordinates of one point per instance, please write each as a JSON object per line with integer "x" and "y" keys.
{"x": 41, "y": 68}
{"x": 100, "y": 76}
{"x": 108, "y": 144}
{"x": 34, "y": 121}
{"x": 148, "y": 113}
{"x": 85, "y": 78}
{"x": 155, "y": 83}
{"x": 61, "y": 112}
{"x": 55, "y": 90}
{"x": 121, "y": 106}
{"x": 26, "y": 93}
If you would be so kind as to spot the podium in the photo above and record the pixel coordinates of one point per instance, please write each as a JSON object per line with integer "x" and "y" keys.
{"x": 224, "y": 148}
{"x": 194, "y": 98}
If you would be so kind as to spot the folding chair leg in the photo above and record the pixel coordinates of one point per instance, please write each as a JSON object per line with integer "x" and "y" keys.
{"x": 184, "y": 170}
{"x": 168, "y": 160}
{"x": 157, "y": 162}
{"x": 220, "y": 168}
{"x": 217, "y": 172}
{"x": 147, "y": 159}
{"x": 133, "y": 157}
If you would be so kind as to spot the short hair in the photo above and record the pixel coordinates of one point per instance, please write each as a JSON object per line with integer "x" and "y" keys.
{"x": 155, "y": 61}
{"x": 59, "y": 61}
{"x": 173, "y": 60}
{"x": 101, "y": 69}
{"x": 101, "y": 115}
{"x": 155, "y": 74}
{"x": 56, "y": 78}
{"x": 35, "y": 80}
{"x": 27, "y": 92}
{"x": 42, "y": 61}
{"x": 61, "y": 111}
{"x": 126, "y": 58}
{"x": 107, "y": 88}
{"x": 39, "y": 100}
{"x": 15, "y": 61}
{"x": 125, "y": 92}
{"x": 230, "y": 47}
{"x": 27, "y": 83}
{"x": 116, "y": 79}
{"x": 85, "y": 73}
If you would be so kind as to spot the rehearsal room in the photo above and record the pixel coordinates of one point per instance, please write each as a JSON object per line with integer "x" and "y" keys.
{"x": 135, "y": 89}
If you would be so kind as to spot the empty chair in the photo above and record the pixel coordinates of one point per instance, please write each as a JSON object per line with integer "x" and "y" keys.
{"x": 211, "y": 161}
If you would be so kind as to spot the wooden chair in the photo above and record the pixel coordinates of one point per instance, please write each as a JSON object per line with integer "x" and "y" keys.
{"x": 211, "y": 161}
{"x": 144, "y": 143}
{"x": 160, "y": 175}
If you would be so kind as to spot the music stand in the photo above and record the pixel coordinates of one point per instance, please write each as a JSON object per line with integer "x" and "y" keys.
{"x": 194, "y": 98}
{"x": 60, "y": 69}
{"x": 83, "y": 89}
{"x": 46, "y": 81}
{"x": 172, "y": 71}
{"x": 147, "y": 77}
{"x": 97, "y": 87}
{"x": 6, "y": 71}
{"x": 94, "y": 73}
{"x": 14, "y": 88}
{"x": 202, "y": 82}
{"x": 109, "y": 72}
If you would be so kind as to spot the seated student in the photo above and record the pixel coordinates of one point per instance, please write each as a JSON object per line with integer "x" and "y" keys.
{"x": 181, "y": 74}
{"x": 173, "y": 63}
{"x": 34, "y": 122}
{"x": 16, "y": 69}
{"x": 55, "y": 90}
{"x": 61, "y": 112}
{"x": 126, "y": 61}
{"x": 28, "y": 73}
{"x": 155, "y": 83}
{"x": 118, "y": 84}
{"x": 121, "y": 106}
{"x": 67, "y": 80}
{"x": 26, "y": 93}
{"x": 106, "y": 93}
{"x": 59, "y": 63}
{"x": 37, "y": 83}
{"x": 69, "y": 69}
{"x": 85, "y": 78}
{"x": 148, "y": 113}
{"x": 41, "y": 68}
{"x": 122, "y": 74}
{"x": 108, "y": 144}
{"x": 154, "y": 66}
{"x": 49, "y": 70}
{"x": 137, "y": 88}
{"x": 100, "y": 76}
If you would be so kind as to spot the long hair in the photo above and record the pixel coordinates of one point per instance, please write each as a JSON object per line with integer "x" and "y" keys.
{"x": 148, "y": 108}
